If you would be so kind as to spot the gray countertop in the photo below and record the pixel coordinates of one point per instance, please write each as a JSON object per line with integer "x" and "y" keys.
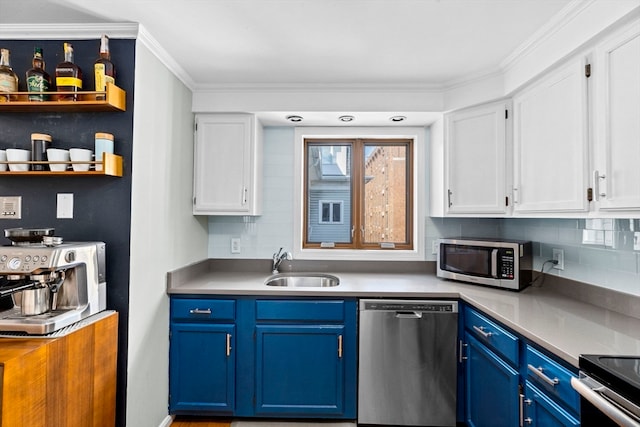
{"x": 560, "y": 323}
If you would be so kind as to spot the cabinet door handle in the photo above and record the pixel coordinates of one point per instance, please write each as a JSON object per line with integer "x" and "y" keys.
{"x": 200, "y": 311}
{"x": 516, "y": 196}
{"x": 596, "y": 185}
{"x": 228, "y": 345}
{"x": 521, "y": 410}
{"x": 481, "y": 331}
{"x": 540, "y": 374}
{"x": 461, "y": 347}
{"x": 339, "y": 346}
{"x": 449, "y": 193}
{"x": 244, "y": 195}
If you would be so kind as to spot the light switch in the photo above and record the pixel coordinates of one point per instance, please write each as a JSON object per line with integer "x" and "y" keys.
{"x": 65, "y": 205}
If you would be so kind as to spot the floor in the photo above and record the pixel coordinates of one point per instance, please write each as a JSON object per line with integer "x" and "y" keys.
{"x": 200, "y": 422}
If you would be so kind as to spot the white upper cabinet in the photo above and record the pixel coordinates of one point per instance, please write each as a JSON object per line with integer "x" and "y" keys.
{"x": 227, "y": 165}
{"x": 475, "y": 150}
{"x": 551, "y": 147}
{"x": 616, "y": 108}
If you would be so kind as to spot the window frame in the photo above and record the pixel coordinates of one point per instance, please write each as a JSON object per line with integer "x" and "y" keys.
{"x": 417, "y": 188}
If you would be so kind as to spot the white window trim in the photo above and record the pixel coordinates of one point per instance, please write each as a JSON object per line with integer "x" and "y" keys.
{"x": 418, "y": 135}
{"x": 331, "y": 221}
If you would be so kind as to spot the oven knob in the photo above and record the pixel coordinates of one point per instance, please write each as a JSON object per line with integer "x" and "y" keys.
{"x": 27, "y": 258}
{"x": 14, "y": 263}
{"x": 3, "y": 258}
{"x": 44, "y": 258}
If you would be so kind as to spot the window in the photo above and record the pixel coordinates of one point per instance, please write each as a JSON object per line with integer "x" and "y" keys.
{"x": 358, "y": 193}
{"x": 330, "y": 212}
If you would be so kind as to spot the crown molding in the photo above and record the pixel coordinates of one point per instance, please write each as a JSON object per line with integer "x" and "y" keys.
{"x": 318, "y": 87}
{"x": 163, "y": 56}
{"x": 555, "y": 24}
{"x": 73, "y": 31}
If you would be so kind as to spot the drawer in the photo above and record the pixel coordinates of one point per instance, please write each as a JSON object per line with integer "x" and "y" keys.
{"x": 307, "y": 311}
{"x": 491, "y": 334}
{"x": 203, "y": 309}
{"x": 551, "y": 377}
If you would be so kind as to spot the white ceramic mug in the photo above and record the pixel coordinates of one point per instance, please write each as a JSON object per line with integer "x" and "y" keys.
{"x": 18, "y": 155}
{"x": 80, "y": 155}
{"x": 3, "y": 158}
{"x": 58, "y": 155}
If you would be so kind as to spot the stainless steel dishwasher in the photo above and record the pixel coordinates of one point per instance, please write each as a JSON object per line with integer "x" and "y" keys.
{"x": 407, "y": 368}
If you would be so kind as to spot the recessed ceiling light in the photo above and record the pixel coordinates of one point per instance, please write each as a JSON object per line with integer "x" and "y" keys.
{"x": 294, "y": 119}
{"x": 346, "y": 118}
{"x": 397, "y": 118}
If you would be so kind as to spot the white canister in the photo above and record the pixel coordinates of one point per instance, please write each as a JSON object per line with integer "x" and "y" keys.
{"x": 104, "y": 144}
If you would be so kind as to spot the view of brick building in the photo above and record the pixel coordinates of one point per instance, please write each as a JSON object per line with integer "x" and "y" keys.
{"x": 384, "y": 210}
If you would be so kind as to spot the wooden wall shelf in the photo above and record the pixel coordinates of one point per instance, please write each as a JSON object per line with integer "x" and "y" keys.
{"x": 115, "y": 100}
{"x": 111, "y": 166}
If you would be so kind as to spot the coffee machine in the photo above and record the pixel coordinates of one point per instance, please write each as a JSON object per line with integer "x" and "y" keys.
{"x": 49, "y": 285}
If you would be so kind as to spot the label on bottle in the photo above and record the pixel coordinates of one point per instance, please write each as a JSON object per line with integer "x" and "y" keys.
{"x": 36, "y": 83}
{"x": 69, "y": 81}
{"x": 102, "y": 78}
{"x": 8, "y": 83}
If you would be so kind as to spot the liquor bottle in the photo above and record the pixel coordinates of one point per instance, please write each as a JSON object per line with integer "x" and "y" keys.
{"x": 38, "y": 80}
{"x": 8, "y": 79}
{"x": 68, "y": 76}
{"x": 103, "y": 68}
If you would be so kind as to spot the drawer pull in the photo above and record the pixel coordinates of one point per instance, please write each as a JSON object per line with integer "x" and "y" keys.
{"x": 200, "y": 311}
{"x": 481, "y": 331}
{"x": 540, "y": 373}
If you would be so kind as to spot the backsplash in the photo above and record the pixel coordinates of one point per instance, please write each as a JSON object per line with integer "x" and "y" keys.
{"x": 615, "y": 267}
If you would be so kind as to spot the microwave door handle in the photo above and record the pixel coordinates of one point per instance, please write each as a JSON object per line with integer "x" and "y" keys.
{"x": 494, "y": 263}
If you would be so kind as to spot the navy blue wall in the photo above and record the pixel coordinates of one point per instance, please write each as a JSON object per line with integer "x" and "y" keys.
{"x": 102, "y": 205}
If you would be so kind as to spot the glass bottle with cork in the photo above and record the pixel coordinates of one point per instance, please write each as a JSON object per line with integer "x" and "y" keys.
{"x": 8, "y": 78}
{"x": 103, "y": 68}
{"x": 38, "y": 80}
{"x": 68, "y": 76}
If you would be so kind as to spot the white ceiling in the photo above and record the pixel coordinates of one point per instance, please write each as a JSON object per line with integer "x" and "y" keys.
{"x": 267, "y": 43}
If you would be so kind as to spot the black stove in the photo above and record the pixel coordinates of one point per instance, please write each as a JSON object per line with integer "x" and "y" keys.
{"x": 610, "y": 390}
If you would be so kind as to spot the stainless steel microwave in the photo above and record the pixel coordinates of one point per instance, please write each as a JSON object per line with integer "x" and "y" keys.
{"x": 491, "y": 262}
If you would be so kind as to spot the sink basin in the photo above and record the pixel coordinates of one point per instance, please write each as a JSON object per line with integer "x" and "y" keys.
{"x": 303, "y": 280}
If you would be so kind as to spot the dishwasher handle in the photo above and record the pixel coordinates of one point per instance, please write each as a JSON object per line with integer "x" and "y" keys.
{"x": 408, "y": 315}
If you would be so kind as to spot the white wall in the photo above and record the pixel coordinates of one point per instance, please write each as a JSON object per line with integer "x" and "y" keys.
{"x": 164, "y": 233}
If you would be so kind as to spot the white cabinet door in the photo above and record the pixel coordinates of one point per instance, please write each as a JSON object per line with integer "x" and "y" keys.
{"x": 616, "y": 74}
{"x": 226, "y": 165}
{"x": 551, "y": 149}
{"x": 475, "y": 160}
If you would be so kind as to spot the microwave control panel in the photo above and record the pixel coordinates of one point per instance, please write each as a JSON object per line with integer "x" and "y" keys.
{"x": 506, "y": 257}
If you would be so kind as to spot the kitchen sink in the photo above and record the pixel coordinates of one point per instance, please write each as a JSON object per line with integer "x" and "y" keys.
{"x": 303, "y": 280}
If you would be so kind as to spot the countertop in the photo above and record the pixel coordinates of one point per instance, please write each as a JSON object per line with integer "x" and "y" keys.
{"x": 558, "y": 322}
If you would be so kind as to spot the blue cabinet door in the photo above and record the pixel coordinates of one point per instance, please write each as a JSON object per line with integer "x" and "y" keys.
{"x": 300, "y": 370}
{"x": 541, "y": 411}
{"x": 492, "y": 395}
{"x": 202, "y": 368}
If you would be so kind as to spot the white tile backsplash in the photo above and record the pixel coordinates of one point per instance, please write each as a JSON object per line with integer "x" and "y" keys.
{"x": 616, "y": 267}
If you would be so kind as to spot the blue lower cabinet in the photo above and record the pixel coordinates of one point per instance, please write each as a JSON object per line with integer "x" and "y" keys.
{"x": 300, "y": 370}
{"x": 261, "y": 357}
{"x": 202, "y": 368}
{"x": 541, "y": 411}
{"x": 492, "y": 388}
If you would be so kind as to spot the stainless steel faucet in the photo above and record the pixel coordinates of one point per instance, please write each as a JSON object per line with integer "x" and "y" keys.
{"x": 278, "y": 258}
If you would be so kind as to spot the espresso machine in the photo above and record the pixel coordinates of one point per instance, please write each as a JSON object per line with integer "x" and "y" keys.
{"x": 48, "y": 285}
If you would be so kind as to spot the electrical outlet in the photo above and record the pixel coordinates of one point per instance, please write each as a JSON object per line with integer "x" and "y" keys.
{"x": 11, "y": 207}
{"x": 434, "y": 247}
{"x": 235, "y": 246}
{"x": 636, "y": 241}
{"x": 558, "y": 255}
